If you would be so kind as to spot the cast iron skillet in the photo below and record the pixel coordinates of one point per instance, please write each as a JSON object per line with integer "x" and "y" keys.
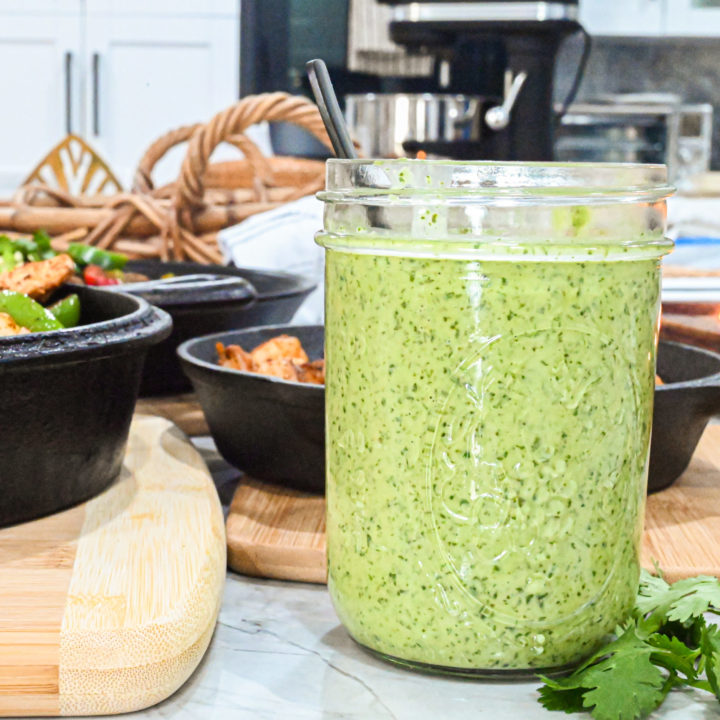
{"x": 66, "y": 401}
{"x": 273, "y": 429}
{"x": 683, "y": 407}
{"x": 269, "y": 297}
{"x": 270, "y": 428}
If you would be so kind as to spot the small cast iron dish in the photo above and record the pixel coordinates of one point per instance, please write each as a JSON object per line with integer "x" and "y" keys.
{"x": 272, "y": 429}
{"x": 685, "y": 403}
{"x": 66, "y": 401}
{"x": 265, "y": 298}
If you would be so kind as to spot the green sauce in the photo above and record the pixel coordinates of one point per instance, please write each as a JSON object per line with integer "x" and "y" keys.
{"x": 488, "y": 426}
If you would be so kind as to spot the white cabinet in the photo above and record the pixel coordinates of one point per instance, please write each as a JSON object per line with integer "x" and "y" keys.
{"x": 693, "y": 18}
{"x": 627, "y": 17}
{"x": 118, "y": 73}
{"x": 656, "y": 18}
{"x": 148, "y": 75}
{"x": 39, "y": 86}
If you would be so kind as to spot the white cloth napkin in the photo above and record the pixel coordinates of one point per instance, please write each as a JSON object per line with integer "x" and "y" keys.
{"x": 282, "y": 239}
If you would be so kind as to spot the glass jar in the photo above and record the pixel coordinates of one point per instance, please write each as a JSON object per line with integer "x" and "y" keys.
{"x": 490, "y": 344}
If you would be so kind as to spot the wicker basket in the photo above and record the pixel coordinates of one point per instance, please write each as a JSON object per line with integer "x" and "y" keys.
{"x": 181, "y": 220}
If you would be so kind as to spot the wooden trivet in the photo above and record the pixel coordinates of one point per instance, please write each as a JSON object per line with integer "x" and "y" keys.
{"x": 279, "y": 533}
{"x": 276, "y": 532}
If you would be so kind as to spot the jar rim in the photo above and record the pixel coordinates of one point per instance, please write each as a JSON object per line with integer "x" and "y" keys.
{"x": 411, "y": 181}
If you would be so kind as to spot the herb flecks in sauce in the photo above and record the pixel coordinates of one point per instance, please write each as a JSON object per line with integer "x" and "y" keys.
{"x": 488, "y": 426}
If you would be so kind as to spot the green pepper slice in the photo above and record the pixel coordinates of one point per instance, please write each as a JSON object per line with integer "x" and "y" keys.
{"x": 67, "y": 310}
{"x": 89, "y": 255}
{"x": 8, "y": 261}
{"x": 28, "y": 313}
{"x": 29, "y": 249}
{"x": 35, "y": 248}
{"x": 15, "y": 252}
{"x": 42, "y": 240}
{"x": 44, "y": 248}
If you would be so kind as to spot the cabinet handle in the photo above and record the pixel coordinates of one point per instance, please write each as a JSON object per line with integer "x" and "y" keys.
{"x": 68, "y": 92}
{"x": 96, "y": 93}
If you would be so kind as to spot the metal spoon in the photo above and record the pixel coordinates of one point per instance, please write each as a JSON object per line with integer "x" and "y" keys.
{"x": 330, "y": 109}
{"x": 368, "y": 175}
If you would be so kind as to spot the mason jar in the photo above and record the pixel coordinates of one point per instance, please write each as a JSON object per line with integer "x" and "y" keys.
{"x": 490, "y": 345}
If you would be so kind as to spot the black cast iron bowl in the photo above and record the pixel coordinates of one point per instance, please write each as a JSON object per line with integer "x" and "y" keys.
{"x": 272, "y": 429}
{"x": 66, "y": 401}
{"x": 683, "y": 407}
{"x": 269, "y": 297}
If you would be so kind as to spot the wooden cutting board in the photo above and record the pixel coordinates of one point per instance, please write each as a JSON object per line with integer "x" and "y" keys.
{"x": 108, "y": 607}
{"x": 278, "y": 533}
{"x": 182, "y": 410}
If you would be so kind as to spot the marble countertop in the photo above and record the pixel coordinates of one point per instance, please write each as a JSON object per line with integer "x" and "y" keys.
{"x": 279, "y": 651}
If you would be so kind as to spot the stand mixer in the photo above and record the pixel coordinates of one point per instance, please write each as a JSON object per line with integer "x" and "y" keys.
{"x": 499, "y": 55}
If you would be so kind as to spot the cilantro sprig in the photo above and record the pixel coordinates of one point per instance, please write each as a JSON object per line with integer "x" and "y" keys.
{"x": 667, "y": 643}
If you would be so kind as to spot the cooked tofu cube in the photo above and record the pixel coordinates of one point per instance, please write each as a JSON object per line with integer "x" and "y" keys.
{"x": 8, "y": 326}
{"x": 39, "y": 279}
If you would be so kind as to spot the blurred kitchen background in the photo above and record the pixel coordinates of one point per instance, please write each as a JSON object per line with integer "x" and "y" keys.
{"x": 614, "y": 80}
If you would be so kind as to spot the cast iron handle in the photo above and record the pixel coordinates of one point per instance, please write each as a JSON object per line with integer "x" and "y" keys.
{"x": 707, "y": 390}
{"x": 195, "y": 281}
{"x": 702, "y": 393}
{"x": 189, "y": 289}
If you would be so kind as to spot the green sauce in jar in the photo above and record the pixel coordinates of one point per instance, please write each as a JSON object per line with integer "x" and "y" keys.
{"x": 488, "y": 425}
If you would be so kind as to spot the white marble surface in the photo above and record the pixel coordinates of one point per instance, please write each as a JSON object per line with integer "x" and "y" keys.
{"x": 279, "y": 651}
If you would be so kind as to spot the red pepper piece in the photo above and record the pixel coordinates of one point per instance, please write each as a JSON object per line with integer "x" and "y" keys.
{"x": 95, "y": 275}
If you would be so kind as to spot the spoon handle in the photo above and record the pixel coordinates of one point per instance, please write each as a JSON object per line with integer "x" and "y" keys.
{"x": 330, "y": 109}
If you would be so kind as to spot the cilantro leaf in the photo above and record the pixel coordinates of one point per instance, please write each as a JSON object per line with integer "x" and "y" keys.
{"x": 569, "y": 700}
{"x": 695, "y": 596}
{"x": 682, "y": 601}
{"x": 666, "y": 643}
{"x": 710, "y": 646}
{"x": 620, "y": 682}
{"x": 625, "y": 685}
{"x": 650, "y": 587}
{"x": 673, "y": 645}
{"x": 674, "y": 655}
{"x": 625, "y": 688}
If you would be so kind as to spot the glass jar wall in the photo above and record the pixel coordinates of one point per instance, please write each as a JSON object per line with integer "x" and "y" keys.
{"x": 490, "y": 347}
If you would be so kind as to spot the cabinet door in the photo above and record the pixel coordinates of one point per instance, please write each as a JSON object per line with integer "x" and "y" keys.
{"x": 693, "y": 18}
{"x": 629, "y": 18}
{"x": 148, "y": 75}
{"x": 39, "y": 86}
{"x": 165, "y": 8}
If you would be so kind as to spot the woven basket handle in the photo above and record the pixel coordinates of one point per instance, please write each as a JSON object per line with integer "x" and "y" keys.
{"x": 270, "y": 107}
{"x": 142, "y": 180}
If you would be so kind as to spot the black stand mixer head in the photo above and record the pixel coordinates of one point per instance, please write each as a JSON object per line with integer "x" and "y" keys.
{"x": 504, "y": 50}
